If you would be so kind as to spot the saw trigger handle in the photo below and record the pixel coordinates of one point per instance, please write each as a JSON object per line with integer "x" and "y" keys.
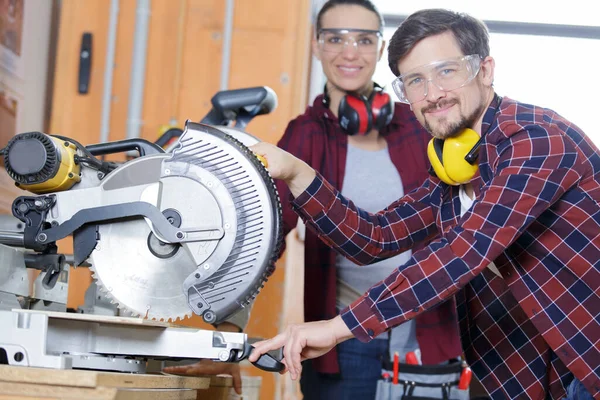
{"x": 266, "y": 362}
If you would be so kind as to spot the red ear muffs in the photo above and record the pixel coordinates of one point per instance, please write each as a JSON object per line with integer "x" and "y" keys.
{"x": 354, "y": 115}
{"x": 382, "y": 108}
{"x": 358, "y": 115}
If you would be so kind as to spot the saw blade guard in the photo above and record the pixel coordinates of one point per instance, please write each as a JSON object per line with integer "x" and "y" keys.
{"x": 226, "y": 207}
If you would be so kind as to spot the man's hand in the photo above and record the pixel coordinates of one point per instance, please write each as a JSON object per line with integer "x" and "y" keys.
{"x": 282, "y": 165}
{"x": 209, "y": 367}
{"x": 303, "y": 342}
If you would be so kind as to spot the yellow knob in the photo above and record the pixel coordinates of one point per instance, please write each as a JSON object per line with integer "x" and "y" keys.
{"x": 263, "y": 160}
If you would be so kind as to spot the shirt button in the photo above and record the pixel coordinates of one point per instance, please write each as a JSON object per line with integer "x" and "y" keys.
{"x": 370, "y": 332}
{"x": 416, "y": 309}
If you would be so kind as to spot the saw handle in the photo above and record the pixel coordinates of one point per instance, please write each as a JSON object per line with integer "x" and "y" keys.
{"x": 266, "y": 362}
{"x": 142, "y": 146}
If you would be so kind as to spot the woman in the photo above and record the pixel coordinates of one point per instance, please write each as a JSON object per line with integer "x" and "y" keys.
{"x": 374, "y": 151}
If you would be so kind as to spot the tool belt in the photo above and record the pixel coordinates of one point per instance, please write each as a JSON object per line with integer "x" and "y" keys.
{"x": 422, "y": 382}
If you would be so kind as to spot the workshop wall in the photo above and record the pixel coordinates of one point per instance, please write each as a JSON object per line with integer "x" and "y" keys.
{"x": 24, "y": 47}
{"x": 269, "y": 46}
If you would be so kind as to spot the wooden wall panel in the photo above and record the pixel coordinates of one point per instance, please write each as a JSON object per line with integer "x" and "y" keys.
{"x": 201, "y": 59}
{"x": 161, "y": 65}
{"x": 73, "y": 114}
{"x": 270, "y": 46}
{"x": 122, "y": 70}
{"x": 253, "y": 66}
{"x": 265, "y": 16}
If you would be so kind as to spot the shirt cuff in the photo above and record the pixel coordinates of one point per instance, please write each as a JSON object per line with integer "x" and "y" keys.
{"x": 363, "y": 319}
{"x": 315, "y": 199}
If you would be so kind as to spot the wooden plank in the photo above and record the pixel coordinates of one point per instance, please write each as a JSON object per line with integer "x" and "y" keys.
{"x": 157, "y": 394}
{"x": 109, "y": 319}
{"x": 63, "y": 392}
{"x": 91, "y": 379}
{"x": 99, "y": 393}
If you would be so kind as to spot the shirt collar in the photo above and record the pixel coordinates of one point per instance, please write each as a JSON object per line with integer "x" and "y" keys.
{"x": 321, "y": 109}
{"x": 490, "y": 115}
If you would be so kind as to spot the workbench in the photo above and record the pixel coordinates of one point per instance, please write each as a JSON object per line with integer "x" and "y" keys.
{"x": 42, "y": 383}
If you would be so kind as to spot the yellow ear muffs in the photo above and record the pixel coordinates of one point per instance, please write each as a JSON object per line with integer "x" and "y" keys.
{"x": 447, "y": 157}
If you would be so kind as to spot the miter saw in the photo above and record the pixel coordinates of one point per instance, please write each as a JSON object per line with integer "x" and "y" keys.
{"x": 194, "y": 229}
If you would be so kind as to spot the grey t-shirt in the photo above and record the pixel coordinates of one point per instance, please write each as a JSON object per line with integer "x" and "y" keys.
{"x": 372, "y": 182}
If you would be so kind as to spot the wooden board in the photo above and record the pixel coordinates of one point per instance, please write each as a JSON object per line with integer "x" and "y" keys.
{"x": 18, "y": 383}
{"x": 91, "y": 379}
{"x": 109, "y": 319}
{"x": 100, "y": 393}
{"x": 10, "y": 397}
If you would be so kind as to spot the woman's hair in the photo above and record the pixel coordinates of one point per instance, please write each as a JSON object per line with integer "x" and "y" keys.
{"x": 330, "y": 4}
{"x": 471, "y": 34}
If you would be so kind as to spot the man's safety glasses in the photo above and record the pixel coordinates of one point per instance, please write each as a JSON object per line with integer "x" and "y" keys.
{"x": 363, "y": 40}
{"x": 447, "y": 75}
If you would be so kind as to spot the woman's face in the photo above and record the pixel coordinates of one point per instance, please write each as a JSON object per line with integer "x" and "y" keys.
{"x": 349, "y": 46}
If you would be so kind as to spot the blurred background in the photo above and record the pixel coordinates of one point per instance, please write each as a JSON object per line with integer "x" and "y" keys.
{"x": 103, "y": 70}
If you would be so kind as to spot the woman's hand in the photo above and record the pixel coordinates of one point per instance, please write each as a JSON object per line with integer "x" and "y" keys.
{"x": 282, "y": 165}
{"x": 209, "y": 367}
{"x": 303, "y": 342}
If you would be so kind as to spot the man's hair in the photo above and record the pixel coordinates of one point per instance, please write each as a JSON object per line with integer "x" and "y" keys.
{"x": 330, "y": 4}
{"x": 471, "y": 34}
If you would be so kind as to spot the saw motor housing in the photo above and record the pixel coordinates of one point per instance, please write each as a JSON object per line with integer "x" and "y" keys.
{"x": 41, "y": 163}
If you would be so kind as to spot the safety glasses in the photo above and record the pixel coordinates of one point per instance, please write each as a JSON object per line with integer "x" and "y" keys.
{"x": 363, "y": 40}
{"x": 447, "y": 75}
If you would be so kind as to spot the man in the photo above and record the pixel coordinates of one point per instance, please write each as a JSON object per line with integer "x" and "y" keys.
{"x": 520, "y": 239}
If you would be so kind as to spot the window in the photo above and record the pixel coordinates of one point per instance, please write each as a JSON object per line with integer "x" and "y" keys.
{"x": 559, "y": 73}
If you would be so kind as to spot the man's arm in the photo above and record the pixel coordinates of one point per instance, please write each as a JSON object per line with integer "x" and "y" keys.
{"x": 362, "y": 237}
{"x": 396, "y": 229}
{"x": 527, "y": 182}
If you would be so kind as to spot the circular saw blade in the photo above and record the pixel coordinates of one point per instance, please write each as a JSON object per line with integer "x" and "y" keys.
{"x": 136, "y": 279}
{"x": 132, "y": 266}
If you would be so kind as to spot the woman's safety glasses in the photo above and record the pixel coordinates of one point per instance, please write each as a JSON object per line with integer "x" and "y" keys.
{"x": 363, "y": 40}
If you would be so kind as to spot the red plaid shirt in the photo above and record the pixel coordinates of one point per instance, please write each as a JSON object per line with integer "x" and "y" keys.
{"x": 316, "y": 138}
{"x": 536, "y": 215}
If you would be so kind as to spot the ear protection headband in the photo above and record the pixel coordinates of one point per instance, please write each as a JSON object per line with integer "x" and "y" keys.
{"x": 454, "y": 160}
{"x": 358, "y": 115}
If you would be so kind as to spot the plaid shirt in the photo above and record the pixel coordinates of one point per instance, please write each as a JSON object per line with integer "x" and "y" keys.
{"x": 536, "y": 215}
{"x": 317, "y": 138}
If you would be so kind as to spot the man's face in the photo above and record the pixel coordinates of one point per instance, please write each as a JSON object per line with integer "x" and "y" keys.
{"x": 349, "y": 57}
{"x": 445, "y": 113}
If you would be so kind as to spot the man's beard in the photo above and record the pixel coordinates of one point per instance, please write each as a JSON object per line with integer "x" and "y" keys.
{"x": 450, "y": 129}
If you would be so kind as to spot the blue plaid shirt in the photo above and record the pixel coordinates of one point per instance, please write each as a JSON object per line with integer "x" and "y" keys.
{"x": 536, "y": 215}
